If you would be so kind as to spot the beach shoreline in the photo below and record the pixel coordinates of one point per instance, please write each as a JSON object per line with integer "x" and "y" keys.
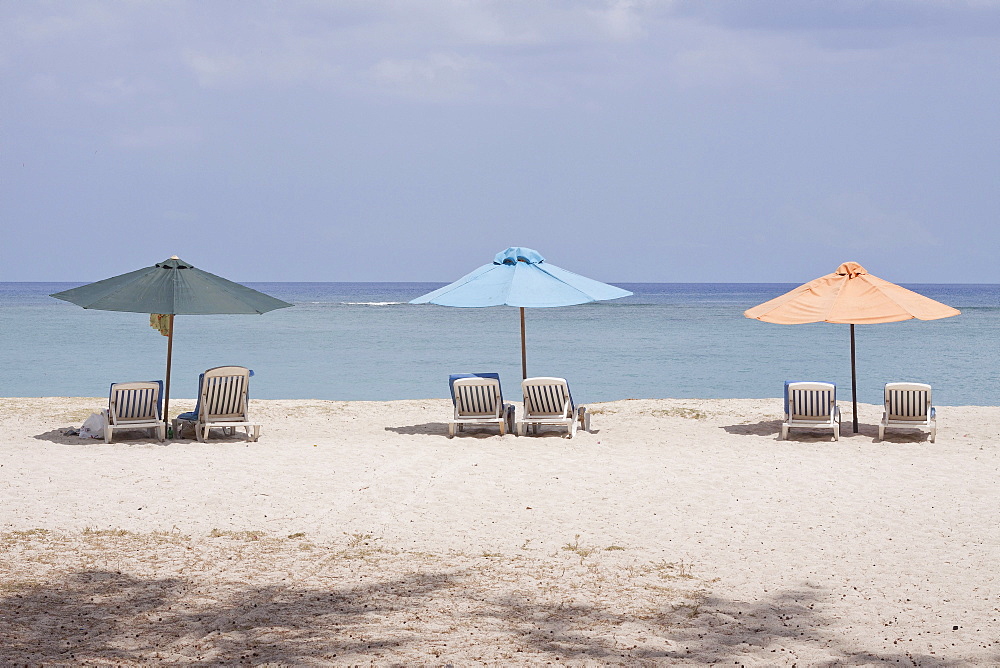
{"x": 679, "y": 531}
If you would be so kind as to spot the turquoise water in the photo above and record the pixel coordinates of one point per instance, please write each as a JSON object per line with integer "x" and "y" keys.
{"x": 362, "y": 341}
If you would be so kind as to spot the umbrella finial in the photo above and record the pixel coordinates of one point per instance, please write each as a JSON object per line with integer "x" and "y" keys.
{"x": 174, "y": 257}
{"x": 850, "y": 269}
{"x": 516, "y": 254}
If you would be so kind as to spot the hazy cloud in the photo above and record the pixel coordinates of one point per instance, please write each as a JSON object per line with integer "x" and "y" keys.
{"x": 684, "y": 130}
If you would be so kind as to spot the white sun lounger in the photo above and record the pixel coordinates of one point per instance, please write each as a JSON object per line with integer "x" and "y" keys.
{"x": 478, "y": 400}
{"x": 134, "y": 406}
{"x": 548, "y": 401}
{"x": 908, "y": 406}
{"x": 223, "y": 396}
{"x": 811, "y": 406}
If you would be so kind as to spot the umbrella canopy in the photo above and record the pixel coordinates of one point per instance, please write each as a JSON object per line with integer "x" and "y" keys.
{"x": 521, "y": 277}
{"x": 172, "y": 287}
{"x": 850, "y": 295}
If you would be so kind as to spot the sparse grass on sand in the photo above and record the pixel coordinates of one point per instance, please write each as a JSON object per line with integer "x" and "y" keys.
{"x": 126, "y": 598}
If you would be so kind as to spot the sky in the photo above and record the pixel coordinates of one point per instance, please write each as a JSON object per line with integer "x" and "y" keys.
{"x": 411, "y": 140}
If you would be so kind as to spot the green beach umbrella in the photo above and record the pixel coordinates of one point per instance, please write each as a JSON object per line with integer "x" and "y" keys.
{"x": 172, "y": 287}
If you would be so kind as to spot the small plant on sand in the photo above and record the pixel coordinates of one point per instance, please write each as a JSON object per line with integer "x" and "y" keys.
{"x": 30, "y": 533}
{"x": 236, "y": 535}
{"x": 671, "y": 569}
{"x": 300, "y": 534}
{"x": 579, "y": 549}
{"x": 680, "y": 412}
{"x": 612, "y": 548}
{"x": 360, "y": 539}
{"x": 87, "y": 531}
{"x": 690, "y": 609}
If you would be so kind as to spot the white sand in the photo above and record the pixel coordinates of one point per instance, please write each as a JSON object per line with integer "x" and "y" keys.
{"x": 680, "y": 531}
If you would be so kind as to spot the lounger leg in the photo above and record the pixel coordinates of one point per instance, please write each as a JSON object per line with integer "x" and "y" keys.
{"x": 933, "y": 433}
{"x": 572, "y": 428}
{"x": 881, "y": 432}
{"x": 520, "y": 428}
{"x": 503, "y": 427}
{"x": 784, "y": 432}
{"x": 451, "y": 430}
{"x": 256, "y": 433}
{"x": 836, "y": 431}
{"x": 107, "y": 426}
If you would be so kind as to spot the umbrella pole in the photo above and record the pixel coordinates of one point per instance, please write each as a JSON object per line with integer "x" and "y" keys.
{"x": 524, "y": 355}
{"x": 170, "y": 350}
{"x": 854, "y": 381}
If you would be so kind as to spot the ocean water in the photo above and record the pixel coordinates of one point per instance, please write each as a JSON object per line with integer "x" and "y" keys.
{"x": 363, "y": 341}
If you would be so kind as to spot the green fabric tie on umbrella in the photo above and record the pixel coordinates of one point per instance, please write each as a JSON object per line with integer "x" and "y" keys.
{"x": 172, "y": 287}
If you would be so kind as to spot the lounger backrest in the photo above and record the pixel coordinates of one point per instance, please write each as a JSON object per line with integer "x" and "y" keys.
{"x": 477, "y": 397}
{"x": 546, "y": 396}
{"x": 907, "y": 401}
{"x": 134, "y": 402}
{"x": 224, "y": 392}
{"x": 486, "y": 374}
{"x": 811, "y": 400}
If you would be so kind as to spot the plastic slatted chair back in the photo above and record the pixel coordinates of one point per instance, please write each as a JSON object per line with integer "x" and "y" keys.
{"x": 546, "y": 397}
{"x": 809, "y": 402}
{"x": 907, "y": 401}
{"x": 476, "y": 397}
{"x": 224, "y": 392}
{"x": 134, "y": 402}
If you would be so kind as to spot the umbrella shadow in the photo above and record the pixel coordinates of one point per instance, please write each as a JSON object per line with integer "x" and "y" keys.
{"x": 806, "y": 435}
{"x": 129, "y": 436}
{"x": 762, "y": 428}
{"x": 905, "y": 438}
{"x": 441, "y": 429}
{"x": 216, "y": 436}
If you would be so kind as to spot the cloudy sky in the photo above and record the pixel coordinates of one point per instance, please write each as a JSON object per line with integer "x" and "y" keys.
{"x": 406, "y": 140}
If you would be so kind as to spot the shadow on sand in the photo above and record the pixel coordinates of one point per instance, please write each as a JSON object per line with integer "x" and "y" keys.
{"x": 101, "y": 616}
{"x": 441, "y": 429}
{"x": 130, "y": 436}
{"x": 137, "y": 437}
{"x": 865, "y": 431}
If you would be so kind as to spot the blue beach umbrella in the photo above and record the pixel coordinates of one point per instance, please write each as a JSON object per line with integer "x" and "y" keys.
{"x": 521, "y": 277}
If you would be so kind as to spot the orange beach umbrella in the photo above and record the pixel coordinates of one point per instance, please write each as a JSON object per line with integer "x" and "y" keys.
{"x": 851, "y": 296}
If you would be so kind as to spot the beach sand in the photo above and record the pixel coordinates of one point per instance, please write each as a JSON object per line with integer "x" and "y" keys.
{"x": 678, "y": 532}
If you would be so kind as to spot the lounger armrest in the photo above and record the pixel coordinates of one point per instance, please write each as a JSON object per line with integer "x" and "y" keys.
{"x": 836, "y": 413}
